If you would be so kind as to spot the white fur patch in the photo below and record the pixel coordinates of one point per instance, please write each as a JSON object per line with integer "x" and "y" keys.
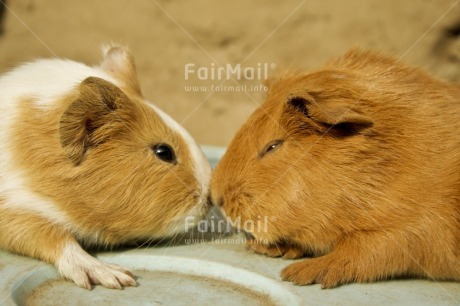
{"x": 46, "y": 80}
{"x": 83, "y": 269}
{"x": 20, "y": 199}
{"x": 201, "y": 165}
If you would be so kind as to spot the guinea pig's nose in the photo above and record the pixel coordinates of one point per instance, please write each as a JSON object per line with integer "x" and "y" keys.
{"x": 209, "y": 203}
{"x": 218, "y": 203}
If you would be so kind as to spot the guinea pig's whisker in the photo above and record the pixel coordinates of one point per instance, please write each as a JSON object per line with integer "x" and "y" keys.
{"x": 143, "y": 243}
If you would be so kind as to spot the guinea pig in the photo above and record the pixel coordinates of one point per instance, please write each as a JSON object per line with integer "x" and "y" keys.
{"x": 356, "y": 165}
{"x": 87, "y": 162}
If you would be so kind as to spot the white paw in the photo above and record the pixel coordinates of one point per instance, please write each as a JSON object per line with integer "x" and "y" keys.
{"x": 84, "y": 270}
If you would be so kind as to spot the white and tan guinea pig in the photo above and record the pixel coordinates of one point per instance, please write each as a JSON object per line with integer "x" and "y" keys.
{"x": 356, "y": 165}
{"x": 87, "y": 162}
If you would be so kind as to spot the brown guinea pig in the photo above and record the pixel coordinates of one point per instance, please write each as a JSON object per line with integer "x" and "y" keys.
{"x": 356, "y": 165}
{"x": 86, "y": 161}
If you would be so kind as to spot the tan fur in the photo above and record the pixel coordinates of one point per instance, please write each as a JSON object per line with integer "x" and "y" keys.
{"x": 121, "y": 170}
{"x": 366, "y": 179}
{"x": 91, "y": 156}
{"x": 47, "y": 242}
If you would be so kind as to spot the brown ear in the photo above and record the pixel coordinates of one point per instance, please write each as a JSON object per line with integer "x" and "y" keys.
{"x": 334, "y": 113}
{"x": 119, "y": 63}
{"x": 91, "y": 118}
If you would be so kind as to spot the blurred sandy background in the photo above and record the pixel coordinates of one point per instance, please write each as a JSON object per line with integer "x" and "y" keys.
{"x": 166, "y": 35}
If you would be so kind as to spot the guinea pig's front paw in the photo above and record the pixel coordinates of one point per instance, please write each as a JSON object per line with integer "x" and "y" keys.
{"x": 321, "y": 270}
{"x": 107, "y": 275}
{"x": 275, "y": 250}
{"x": 85, "y": 270}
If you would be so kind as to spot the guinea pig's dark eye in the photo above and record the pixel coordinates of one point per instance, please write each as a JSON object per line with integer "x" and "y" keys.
{"x": 164, "y": 152}
{"x": 273, "y": 145}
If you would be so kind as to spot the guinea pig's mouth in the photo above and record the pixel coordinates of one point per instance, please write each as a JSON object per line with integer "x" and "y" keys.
{"x": 190, "y": 219}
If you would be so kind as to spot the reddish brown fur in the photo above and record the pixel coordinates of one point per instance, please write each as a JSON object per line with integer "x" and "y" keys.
{"x": 367, "y": 178}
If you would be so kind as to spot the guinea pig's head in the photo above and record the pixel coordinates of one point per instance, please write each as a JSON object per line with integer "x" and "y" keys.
{"x": 290, "y": 164}
{"x": 135, "y": 172}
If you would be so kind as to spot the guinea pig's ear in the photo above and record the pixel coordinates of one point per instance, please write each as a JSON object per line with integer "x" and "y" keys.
{"x": 91, "y": 118}
{"x": 119, "y": 63}
{"x": 333, "y": 113}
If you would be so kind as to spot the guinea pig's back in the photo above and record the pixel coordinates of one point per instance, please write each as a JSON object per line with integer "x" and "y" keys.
{"x": 44, "y": 81}
{"x": 406, "y": 103}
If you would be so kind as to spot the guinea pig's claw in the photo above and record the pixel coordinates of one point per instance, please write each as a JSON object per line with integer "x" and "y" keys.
{"x": 293, "y": 253}
{"x": 85, "y": 271}
{"x": 264, "y": 249}
{"x": 302, "y": 273}
{"x": 315, "y": 271}
{"x": 109, "y": 276}
{"x": 275, "y": 250}
{"x": 113, "y": 277}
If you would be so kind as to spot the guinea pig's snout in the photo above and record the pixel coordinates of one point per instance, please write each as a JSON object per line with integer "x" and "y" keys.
{"x": 209, "y": 203}
{"x": 216, "y": 201}
{"x": 220, "y": 202}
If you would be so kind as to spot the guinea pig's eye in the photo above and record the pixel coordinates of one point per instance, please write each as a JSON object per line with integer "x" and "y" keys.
{"x": 164, "y": 152}
{"x": 271, "y": 146}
